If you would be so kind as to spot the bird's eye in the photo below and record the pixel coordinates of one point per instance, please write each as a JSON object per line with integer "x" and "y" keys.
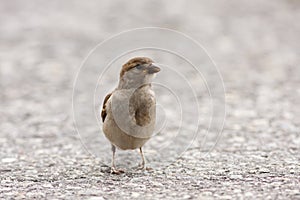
{"x": 139, "y": 67}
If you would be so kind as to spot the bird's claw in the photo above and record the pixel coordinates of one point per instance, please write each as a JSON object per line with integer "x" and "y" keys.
{"x": 116, "y": 171}
{"x": 143, "y": 167}
{"x": 148, "y": 168}
{"x": 140, "y": 167}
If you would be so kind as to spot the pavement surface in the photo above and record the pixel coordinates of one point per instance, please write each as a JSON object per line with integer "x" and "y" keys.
{"x": 256, "y": 46}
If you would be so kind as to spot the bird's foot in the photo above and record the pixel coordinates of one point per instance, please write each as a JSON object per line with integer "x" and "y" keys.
{"x": 149, "y": 168}
{"x": 113, "y": 170}
{"x": 143, "y": 167}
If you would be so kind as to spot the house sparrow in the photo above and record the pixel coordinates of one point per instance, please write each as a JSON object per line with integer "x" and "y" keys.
{"x": 129, "y": 112}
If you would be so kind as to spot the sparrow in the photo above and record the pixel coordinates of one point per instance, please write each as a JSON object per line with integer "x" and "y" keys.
{"x": 129, "y": 112}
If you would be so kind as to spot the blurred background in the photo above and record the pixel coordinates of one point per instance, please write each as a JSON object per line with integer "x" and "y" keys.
{"x": 255, "y": 44}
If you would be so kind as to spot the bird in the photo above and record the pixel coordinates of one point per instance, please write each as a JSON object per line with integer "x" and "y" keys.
{"x": 129, "y": 111}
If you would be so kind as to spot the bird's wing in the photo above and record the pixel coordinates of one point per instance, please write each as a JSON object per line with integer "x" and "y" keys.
{"x": 144, "y": 109}
{"x": 103, "y": 112}
{"x": 142, "y": 115}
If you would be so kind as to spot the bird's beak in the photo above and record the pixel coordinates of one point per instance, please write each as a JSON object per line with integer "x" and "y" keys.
{"x": 153, "y": 68}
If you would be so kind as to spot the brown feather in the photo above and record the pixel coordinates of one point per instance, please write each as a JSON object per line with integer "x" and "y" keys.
{"x": 133, "y": 63}
{"x": 142, "y": 102}
{"x": 103, "y": 112}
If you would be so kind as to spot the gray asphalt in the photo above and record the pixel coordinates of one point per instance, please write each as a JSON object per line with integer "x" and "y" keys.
{"x": 255, "y": 45}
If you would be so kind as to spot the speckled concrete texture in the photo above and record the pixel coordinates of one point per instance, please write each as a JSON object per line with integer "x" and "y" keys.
{"x": 256, "y": 46}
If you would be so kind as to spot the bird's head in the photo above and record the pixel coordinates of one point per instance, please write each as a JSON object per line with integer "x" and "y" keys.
{"x": 137, "y": 71}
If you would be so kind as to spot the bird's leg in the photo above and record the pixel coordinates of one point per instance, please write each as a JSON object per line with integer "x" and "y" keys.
{"x": 142, "y": 165}
{"x": 113, "y": 167}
